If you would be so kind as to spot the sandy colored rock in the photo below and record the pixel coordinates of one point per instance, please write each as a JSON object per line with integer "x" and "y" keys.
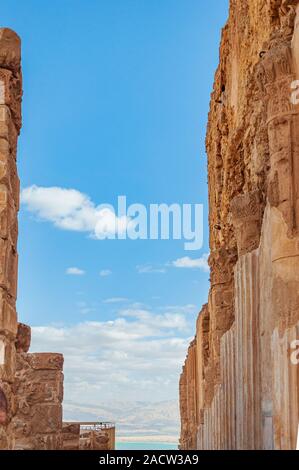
{"x": 38, "y": 386}
{"x": 10, "y": 124}
{"x": 31, "y": 385}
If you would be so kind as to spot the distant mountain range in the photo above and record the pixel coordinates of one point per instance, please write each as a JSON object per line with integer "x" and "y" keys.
{"x": 132, "y": 418}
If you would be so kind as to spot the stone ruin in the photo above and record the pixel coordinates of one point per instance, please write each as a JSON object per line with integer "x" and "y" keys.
{"x": 88, "y": 436}
{"x": 239, "y": 388}
{"x": 31, "y": 384}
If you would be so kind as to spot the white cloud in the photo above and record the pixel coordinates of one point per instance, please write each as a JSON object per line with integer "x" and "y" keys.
{"x": 115, "y": 300}
{"x": 147, "y": 268}
{"x": 137, "y": 418}
{"x": 70, "y": 209}
{"x": 189, "y": 263}
{"x": 105, "y": 272}
{"x": 137, "y": 356}
{"x": 75, "y": 271}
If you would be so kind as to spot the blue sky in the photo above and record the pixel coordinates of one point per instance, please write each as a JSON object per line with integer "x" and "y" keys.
{"x": 116, "y": 96}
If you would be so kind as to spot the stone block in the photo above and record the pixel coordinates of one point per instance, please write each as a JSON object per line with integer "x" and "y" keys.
{"x": 4, "y": 147}
{"x": 39, "y": 442}
{"x": 8, "y": 220}
{"x": 247, "y": 211}
{"x": 3, "y": 408}
{"x": 46, "y": 361}
{"x": 23, "y": 339}
{"x": 47, "y": 442}
{"x": 8, "y": 369}
{"x": 8, "y": 130}
{"x": 4, "y": 439}
{"x": 70, "y": 436}
{"x": 8, "y": 267}
{"x": 37, "y": 389}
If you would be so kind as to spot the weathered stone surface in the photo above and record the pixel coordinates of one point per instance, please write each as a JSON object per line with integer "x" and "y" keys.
{"x": 10, "y": 124}
{"x": 10, "y": 50}
{"x": 31, "y": 385}
{"x": 238, "y": 388}
{"x": 38, "y": 386}
{"x": 3, "y": 408}
{"x": 7, "y": 370}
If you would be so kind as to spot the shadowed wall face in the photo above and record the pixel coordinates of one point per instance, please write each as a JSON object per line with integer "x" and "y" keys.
{"x": 31, "y": 385}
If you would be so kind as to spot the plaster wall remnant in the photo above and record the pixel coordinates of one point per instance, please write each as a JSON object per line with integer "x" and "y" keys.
{"x": 239, "y": 388}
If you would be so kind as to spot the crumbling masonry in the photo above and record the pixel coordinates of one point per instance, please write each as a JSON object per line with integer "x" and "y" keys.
{"x": 31, "y": 384}
{"x": 239, "y": 388}
{"x": 10, "y": 124}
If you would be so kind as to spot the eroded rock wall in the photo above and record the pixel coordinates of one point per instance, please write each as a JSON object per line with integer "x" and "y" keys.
{"x": 31, "y": 384}
{"x": 10, "y": 124}
{"x": 246, "y": 386}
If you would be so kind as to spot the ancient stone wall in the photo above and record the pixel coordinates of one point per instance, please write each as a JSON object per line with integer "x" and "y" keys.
{"x": 246, "y": 386}
{"x": 30, "y": 384}
{"x": 10, "y": 124}
{"x": 38, "y": 393}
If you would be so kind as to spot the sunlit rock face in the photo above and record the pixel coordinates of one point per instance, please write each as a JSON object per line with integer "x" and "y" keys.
{"x": 239, "y": 387}
{"x": 31, "y": 384}
{"x": 10, "y": 124}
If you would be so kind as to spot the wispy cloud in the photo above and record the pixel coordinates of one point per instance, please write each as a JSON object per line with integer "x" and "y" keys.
{"x": 115, "y": 300}
{"x": 195, "y": 263}
{"x": 75, "y": 271}
{"x": 70, "y": 209}
{"x": 105, "y": 272}
{"x": 148, "y": 268}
